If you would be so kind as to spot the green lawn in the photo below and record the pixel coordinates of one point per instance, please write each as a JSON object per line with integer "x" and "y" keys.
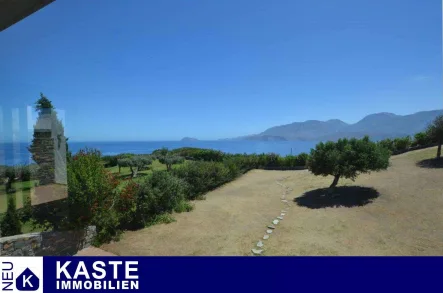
{"x": 424, "y": 154}
{"x": 125, "y": 172}
{"x": 23, "y": 190}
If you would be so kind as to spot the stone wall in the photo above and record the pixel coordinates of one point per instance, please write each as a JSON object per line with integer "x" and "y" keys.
{"x": 60, "y": 243}
{"x": 42, "y": 151}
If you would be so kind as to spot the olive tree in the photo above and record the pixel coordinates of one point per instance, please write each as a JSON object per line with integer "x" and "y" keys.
{"x": 135, "y": 163}
{"x": 435, "y": 132}
{"x": 170, "y": 160}
{"x": 347, "y": 158}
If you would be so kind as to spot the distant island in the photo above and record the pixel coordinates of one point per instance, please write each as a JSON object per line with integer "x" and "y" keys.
{"x": 189, "y": 139}
{"x": 377, "y": 126}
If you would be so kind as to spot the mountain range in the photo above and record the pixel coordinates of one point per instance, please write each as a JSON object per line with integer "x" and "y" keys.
{"x": 377, "y": 126}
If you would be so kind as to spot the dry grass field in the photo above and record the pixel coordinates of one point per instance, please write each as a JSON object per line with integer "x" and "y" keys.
{"x": 393, "y": 212}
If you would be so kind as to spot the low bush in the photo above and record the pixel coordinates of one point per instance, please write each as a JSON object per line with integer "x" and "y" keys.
{"x": 92, "y": 194}
{"x": 402, "y": 144}
{"x": 387, "y": 144}
{"x": 421, "y": 139}
{"x": 110, "y": 161}
{"x": 159, "y": 193}
{"x": 202, "y": 176}
{"x": 271, "y": 161}
{"x": 196, "y": 154}
{"x": 301, "y": 160}
{"x": 208, "y": 156}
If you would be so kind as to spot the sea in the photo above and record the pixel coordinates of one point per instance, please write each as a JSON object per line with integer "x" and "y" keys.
{"x": 17, "y": 153}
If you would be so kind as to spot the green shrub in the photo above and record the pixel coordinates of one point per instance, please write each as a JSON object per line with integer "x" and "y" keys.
{"x": 435, "y": 132}
{"x": 92, "y": 194}
{"x": 208, "y": 155}
{"x": 10, "y": 223}
{"x": 402, "y": 144}
{"x": 184, "y": 206}
{"x": 195, "y": 154}
{"x": 387, "y": 144}
{"x": 203, "y": 176}
{"x": 161, "y": 219}
{"x": 240, "y": 163}
{"x": 26, "y": 211}
{"x": 10, "y": 173}
{"x": 159, "y": 193}
{"x": 2, "y": 172}
{"x": 302, "y": 160}
{"x": 110, "y": 161}
{"x": 126, "y": 204}
{"x": 421, "y": 139}
{"x": 289, "y": 161}
{"x": 269, "y": 160}
{"x": 10, "y": 178}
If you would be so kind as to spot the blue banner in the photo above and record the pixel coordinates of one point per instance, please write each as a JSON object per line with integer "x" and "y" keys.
{"x": 220, "y": 274}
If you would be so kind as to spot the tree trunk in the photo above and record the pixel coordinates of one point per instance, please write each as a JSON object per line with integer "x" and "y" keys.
{"x": 133, "y": 171}
{"x": 334, "y": 184}
{"x": 119, "y": 168}
{"x": 439, "y": 150}
{"x": 8, "y": 184}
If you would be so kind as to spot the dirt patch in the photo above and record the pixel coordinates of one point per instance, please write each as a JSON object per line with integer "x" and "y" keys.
{"x": 393, "y": 212}
{"x": 228, "y": 222}
{"x": 47, "y": 193}
{"x": 403, "y": 219}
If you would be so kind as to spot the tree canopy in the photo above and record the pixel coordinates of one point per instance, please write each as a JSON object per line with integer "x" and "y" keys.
{"x": 435, "y": 132}
{"x": 135, "y": 163}
{"x": 170, "y": 160}
{"x": 347, "y": 158}
{"x": 43, "y": 103}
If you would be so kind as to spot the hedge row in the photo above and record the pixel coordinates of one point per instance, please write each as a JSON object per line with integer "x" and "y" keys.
{"x": 404, "y": 144}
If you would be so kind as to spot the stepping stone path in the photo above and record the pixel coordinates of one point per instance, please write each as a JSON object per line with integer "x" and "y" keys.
{"x": 257, "y": 251}
{"x": 270, "y": 229}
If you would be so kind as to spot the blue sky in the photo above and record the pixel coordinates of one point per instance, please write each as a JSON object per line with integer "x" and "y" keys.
{"x": 162, "y": 70}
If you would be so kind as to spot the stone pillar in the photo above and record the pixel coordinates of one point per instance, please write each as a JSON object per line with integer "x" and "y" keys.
{"x": 43, "y": 155}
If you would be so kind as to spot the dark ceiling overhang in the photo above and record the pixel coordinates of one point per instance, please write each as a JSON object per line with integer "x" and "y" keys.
{"x": 12, "y": 11}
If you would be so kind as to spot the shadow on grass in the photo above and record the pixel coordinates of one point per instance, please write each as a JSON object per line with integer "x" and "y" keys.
{"x": 431, "y": 163}
{"x": 345, "y": 196}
